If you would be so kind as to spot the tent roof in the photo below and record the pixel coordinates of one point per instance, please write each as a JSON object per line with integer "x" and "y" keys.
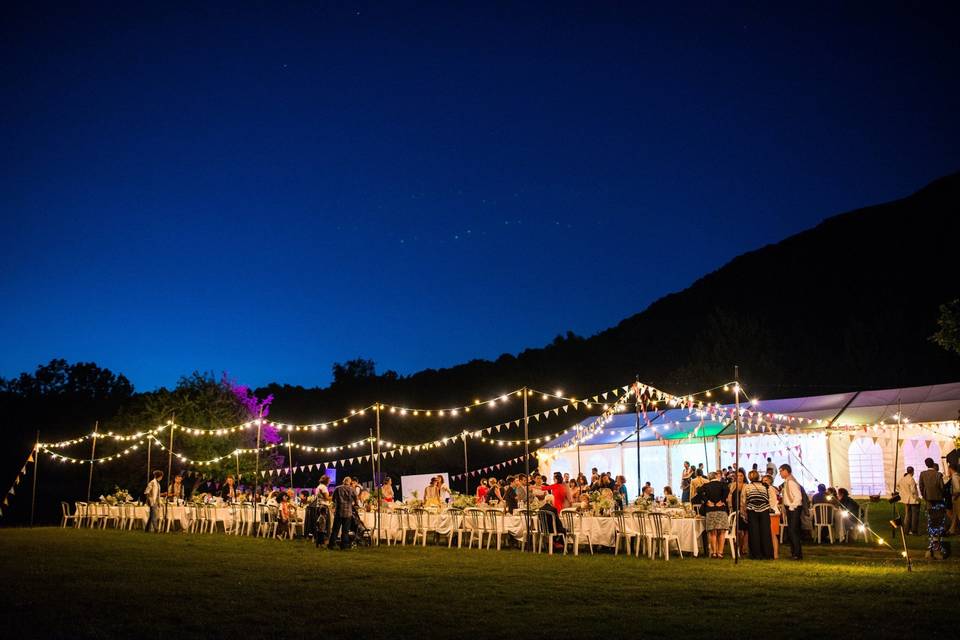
{"x": 930, "y": 403}
{"x": 673, "y": 424}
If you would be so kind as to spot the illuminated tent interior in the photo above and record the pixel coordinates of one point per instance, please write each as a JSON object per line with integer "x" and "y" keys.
{"x": 843, "y": 440}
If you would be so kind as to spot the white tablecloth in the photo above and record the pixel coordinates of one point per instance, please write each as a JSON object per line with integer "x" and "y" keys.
{"x": 602, "y": 530}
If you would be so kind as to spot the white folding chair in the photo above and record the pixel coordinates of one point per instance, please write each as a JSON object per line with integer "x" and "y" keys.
{"x": 622, "y": 533}
{"x": 547, "y": 532}
{"x": 476, "y": 522}
{"x": 730, "y": 535}
{"x": 67, "y": 517}
{"x": 644, "y": 534}
{"x": 662, "y": 536}
{"x": 419, "y": 521}
{"x": 456, "y": 527}
{"x": 494, "y": 525}
{"x": 573, "y": 523}
{"x": 823, "y": 519}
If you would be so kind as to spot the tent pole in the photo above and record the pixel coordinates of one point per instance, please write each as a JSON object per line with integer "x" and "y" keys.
{"x": 636, "y": 409}
{"x": 466, "y": 468}
{"x": 256, "y": 468}
{"x": 378, "y": 477}
{"x": 528, "y": 535}
{"x": 377, "y": 501}
{"x": 736, "y": 467}
{"x": 36, "y": 468}
{"x": 149, "y": 450}
{"x": 93, "y": 452}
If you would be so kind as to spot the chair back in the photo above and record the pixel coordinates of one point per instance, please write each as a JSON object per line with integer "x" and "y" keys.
{"x": 80, "y": 508}
{"x": 417, "y": 519}
{"x": 823, "y": 513}
{"x": 865, "y": 514}
{"x": 494, "y": 520}
{"x": 475, "y": 519}
{"x": 65, "y": 508}
{"x": 547, "y": 522}
{"x": 456, "y": 518}
{"x": 619, "y": 521}
{"x": 571, "y": 520}
{"x": 658, "y": 524}
{"x": 731, "y": 522}
{"x": 273, "y": 512}
{"x": 640, "y": 522}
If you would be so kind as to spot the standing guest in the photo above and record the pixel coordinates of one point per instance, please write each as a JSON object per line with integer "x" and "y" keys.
{"x": 175, "y": 490}
{"x": 696, "y": 482}
{"x": 701, "y": 470}
{"x": 953, "y": 488}
{"x": 228, "y": 492}
{"x": 712, "y": 498}
{"x": 793, "y": 498}
{"x": 283, "y": 515}
{"x": 685, "y": 477}
{"x": 931, "y": 490}
{"x": 775, "y": 507}
{"x": 620, "y": 491}
{"x": 152, "y": 494}
{"x": 431, "y": 495}
{"x": 323, "y": 492}
{"x": 482, "y": 490}
{"x": 386, "y": 489}
{"x": 538, "y": 490}
{"x": 771, "y": 469}
{"x": 494, "y": 492}
{"x": 443, "y": 490}
{"x": 594, "y": 476}
{"x": 344, "y": 501}
{"x": 566, "y": 478}
{"x": 756, "y": 501}
{"x": 574, "y": 491}
{"x": 560, "y": 491}
{"x": 910, "y": 496}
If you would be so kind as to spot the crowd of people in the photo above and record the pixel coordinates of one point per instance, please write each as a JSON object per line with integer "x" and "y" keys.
{"x": 750, "y": 501}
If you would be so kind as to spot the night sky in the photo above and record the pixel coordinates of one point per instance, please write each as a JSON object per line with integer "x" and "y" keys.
{"x": 268, "y": 190}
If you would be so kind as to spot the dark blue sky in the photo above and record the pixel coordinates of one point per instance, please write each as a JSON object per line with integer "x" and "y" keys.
{"x": 268, "y": 190}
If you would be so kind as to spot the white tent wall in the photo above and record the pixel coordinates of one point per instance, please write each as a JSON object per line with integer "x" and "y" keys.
{"x": 690, "y": 451}
{"x": 653, "y": 466}
{"x": 862, "y": 461}
{"x": 806, "y": 454}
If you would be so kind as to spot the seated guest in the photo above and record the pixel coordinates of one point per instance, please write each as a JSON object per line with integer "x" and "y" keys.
{"x": 228, "y": 492}
{"x": 175, "y": 490}
{"x": 648, "y": 493}
{"x": 538, "y": 490}
{"x": 549, "y": 506}
{"x": 303, "y": 497}
{"x": 574, "y": 491}
{"x": 832, "y": 495}
{"x": 821, "y": 494}
{"x": 848, "y": 503}
{"x": 667, "y": 492}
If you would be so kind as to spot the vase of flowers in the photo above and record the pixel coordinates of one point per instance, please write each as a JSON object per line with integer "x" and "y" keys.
{"x": 461, "y": 501}
{"x": 121, "y": 495}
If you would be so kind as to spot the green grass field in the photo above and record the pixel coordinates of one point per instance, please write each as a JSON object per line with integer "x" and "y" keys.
{"x": 94, "y": 583}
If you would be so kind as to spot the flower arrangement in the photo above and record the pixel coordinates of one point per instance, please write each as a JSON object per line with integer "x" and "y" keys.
{"x": 111, "y": 500}
{"x": 642, "y": 503}
{"x": 122, "y": 495}
{"x": 414, "y": 502}
{"x": 602, "y": 502}
{"x": 461, "y": 501}
{"x": 673, "y": 501}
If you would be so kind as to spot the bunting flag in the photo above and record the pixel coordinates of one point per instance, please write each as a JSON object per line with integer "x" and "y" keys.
{"x": 16, "y": 481}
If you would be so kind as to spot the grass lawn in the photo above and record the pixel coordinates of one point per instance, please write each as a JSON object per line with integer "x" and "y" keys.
{"x": 66, "y": 582}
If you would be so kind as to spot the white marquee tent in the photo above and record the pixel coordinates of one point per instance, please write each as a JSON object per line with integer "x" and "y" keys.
{"x": 844, "y": 440}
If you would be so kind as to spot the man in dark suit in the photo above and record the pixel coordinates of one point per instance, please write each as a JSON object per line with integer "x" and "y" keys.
{"x": 344, "y": 499}
{"x": 931, "y": 490}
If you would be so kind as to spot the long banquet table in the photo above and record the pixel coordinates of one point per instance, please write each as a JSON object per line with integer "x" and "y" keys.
{"x": 601, "y": 529}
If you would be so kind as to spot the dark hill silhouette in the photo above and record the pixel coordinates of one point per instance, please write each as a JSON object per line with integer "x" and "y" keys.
{"x": 848, "y": 304}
